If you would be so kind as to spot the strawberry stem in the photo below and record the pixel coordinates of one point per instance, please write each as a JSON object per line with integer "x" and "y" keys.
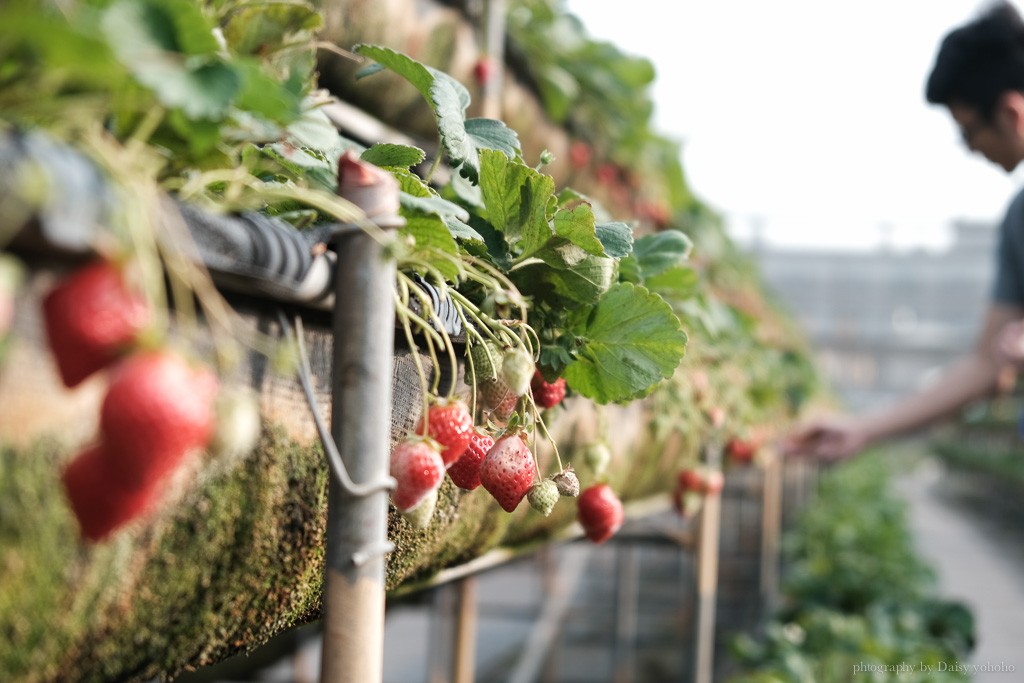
{"x": 539, "y": 421}
{"x": 402, "y": 311}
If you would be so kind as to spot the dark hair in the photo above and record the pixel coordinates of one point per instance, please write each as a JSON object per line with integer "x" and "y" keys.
{"x": 980, "y": 61}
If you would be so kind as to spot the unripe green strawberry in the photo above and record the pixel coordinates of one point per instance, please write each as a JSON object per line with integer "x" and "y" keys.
{"x": 517, "y": 369}
{"x": 596, "y": 457}
{"x": 687, "y": 503}
{"x": 237, "y": 423}
{"x": 542, "y": 496}
{"x": 419, "y": 516}
{"x": 486, "y": 360}
{"x": 508, "y": 471}
{"x": 11, "y": 275}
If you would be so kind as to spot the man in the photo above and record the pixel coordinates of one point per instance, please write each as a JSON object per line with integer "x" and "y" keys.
{"x": 979, "y": 77}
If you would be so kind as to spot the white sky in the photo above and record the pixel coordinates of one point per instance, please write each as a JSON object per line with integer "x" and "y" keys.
{"x": 808, "y": 116}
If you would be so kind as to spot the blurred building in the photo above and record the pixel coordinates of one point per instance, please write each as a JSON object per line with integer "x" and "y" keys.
{"x": 882, "y": 320}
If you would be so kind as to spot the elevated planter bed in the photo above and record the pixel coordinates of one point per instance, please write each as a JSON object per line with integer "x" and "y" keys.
{"x": 234, "y": 555}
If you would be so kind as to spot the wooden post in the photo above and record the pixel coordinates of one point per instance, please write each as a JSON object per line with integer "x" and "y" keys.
{"x": 707, "y": 588}
{"x": 494, "y": 49}
{"x": 626, "y": 605}
{"x": 353, "y": 610}
{"x": 464, "y": 654}
{"x": 771, "y": 529}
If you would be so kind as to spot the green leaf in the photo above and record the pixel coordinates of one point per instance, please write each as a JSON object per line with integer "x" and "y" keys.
{"x": 260, "y": 28}
{"x": 677, "y": 283}
{"x": 493, "y": 134}
{"x": 314, "y": 129}
{"x": 657, "y": 253}
{"x": 519, "y": 201}
{"x": 169, "y": 47}
{"x": 576, "y": 225}
{"x": 630, "y": 341}
{"x": 204, "y": 92}
{"x": 432, "y": 237}
{"x": 388, "y": 155}
{"x": 305, "y": 162}
{"x": 417, "y": 195}
{"x": 616, "y": 237}
{"x": 567, "y": 275}
{"x": 462, "y": 140}
{"x": 266, "y": 96}
{"x": 148, "y": 28}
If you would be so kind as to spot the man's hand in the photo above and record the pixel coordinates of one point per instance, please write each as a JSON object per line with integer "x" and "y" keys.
{"x": 828, "y": 439}
{"x": 1009, "y": 344}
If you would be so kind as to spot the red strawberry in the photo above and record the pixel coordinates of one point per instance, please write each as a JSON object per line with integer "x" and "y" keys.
{"x": 692, "y": 485}
{"x": 741, "y": 450}
{"x": 450, "y": 424}
{"x": 99, "y": 501}
{"x": 608, "y": 174}
{"x": 508, "y": 471}
{"x": 157, "y": 409}
{"x": 690, "y": 480}
{"x": 465, "y": 471}
{"x": 599, "y": 511}
{"x": 483, "y": 70}
{"x": 418, "y": 468}
{"x": 579, "y": 154}
{"x": 497, "y": 397}
{"x": 545, "y": 394}
{"x": 91, "y": 317}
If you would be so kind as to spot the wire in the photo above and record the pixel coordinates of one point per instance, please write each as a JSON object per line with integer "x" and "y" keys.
{"x": 334, "y": 460}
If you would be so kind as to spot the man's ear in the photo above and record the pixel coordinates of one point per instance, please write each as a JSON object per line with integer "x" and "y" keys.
{"x": 1011, "y": 104}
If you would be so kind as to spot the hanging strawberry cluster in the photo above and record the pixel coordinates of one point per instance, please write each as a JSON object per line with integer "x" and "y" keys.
{"x": 157, "y": 410}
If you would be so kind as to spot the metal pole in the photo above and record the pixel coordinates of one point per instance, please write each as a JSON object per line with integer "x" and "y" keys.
{"x": 353, "y": 611}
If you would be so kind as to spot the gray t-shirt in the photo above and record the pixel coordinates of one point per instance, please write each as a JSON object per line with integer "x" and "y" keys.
{"x": 1009, "y": 283}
